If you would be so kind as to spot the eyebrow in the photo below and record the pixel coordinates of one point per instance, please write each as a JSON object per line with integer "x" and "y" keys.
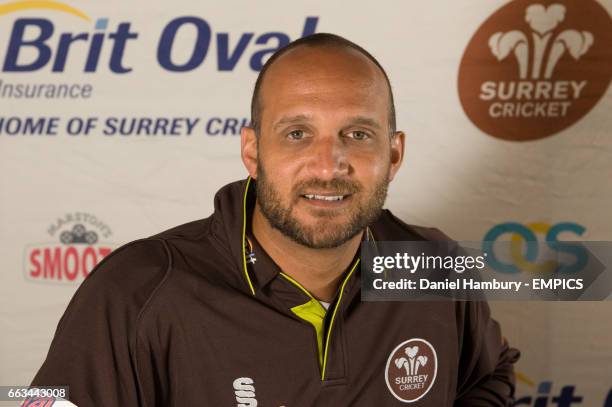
{"x": 355, "y": 120}
{"x": 292, "y": 120}
{"x": 364, "y": 121}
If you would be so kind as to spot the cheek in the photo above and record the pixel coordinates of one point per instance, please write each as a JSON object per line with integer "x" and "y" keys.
{"x": 281, "y": 173}
{"x": 277, "y": 159}
{"x": 370, "y": 169}
{"x": 281, "y": 169}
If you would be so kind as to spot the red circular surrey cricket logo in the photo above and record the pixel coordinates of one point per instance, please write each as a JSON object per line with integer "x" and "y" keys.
{"x": 535, "y": 67}
{"x": 411, "y": 370}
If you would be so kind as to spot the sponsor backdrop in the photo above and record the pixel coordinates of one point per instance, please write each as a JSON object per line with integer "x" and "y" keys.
{"x": 118, "y": 121}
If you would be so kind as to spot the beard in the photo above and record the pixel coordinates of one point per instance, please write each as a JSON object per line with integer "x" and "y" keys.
{"x": 326, "y": 232}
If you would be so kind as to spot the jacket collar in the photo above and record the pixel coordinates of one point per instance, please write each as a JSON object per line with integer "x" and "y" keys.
{"x": 234, "y": 204}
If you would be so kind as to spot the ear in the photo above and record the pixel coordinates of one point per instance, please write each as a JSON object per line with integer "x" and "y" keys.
{"x": 248, "y": 150}
{"x": 397, "y": 152}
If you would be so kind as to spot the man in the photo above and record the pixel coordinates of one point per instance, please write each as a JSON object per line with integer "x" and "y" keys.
{"x": 259, "y": 304}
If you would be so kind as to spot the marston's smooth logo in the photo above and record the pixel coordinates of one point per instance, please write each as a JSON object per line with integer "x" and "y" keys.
{"x": 77, "y": 247}
{"x": 535, "y": 68}
{"x": 411, "y": 370}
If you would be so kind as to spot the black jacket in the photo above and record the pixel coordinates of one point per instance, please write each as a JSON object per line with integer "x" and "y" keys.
{"x": 185, "y": 319}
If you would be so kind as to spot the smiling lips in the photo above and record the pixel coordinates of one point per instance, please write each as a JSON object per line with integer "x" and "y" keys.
{"x": 324, "y": 197}
{"x": 327, "y": 200}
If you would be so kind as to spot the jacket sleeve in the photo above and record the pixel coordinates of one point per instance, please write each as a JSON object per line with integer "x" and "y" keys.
{"x": 92, "y": 351}
{"x": 486, "y": 374}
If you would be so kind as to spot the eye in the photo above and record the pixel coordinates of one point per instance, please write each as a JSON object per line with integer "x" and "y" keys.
{"x": 359, "y": 135}
{"x": 296, "y": 134}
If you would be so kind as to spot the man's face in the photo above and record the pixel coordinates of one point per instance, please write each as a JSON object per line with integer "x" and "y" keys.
{"x": 324, "y": 154}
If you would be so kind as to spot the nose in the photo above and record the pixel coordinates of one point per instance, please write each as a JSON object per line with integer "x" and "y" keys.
{"x": 329, "y": 158}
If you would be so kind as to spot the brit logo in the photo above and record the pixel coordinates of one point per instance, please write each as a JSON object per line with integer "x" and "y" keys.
{"x": 411, "y": 370}
{"x": 535, "y": 68}
{"x": 77, "y": 243}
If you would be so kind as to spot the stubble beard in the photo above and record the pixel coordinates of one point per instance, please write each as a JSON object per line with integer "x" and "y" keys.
{"x": 324, "y": 233}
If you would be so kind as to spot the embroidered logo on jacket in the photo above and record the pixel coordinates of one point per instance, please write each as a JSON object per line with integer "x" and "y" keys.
{"x": 245, "y": 392}
{"x": 411, "y": 370}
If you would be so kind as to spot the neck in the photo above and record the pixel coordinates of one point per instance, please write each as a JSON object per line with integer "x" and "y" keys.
{"x": 318, "y": 270}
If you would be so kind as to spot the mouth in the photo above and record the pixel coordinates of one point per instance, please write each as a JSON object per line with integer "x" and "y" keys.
{"x": 329, "y": 198}
{"x": 326, "y": 200}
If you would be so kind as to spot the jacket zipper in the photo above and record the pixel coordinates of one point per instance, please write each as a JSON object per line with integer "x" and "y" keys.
{"x": 252, "y": 289}
{"x": 325, "y": 347}
{"x": 333, "y": 317}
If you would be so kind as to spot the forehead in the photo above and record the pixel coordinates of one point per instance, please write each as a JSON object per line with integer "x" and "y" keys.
{"x": 307, "y": 79}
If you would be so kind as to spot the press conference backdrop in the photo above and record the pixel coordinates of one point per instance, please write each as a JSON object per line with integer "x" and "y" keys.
{"x": 121, "y": 119}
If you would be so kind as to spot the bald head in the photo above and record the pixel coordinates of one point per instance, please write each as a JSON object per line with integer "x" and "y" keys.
{"x": 319, "y": 57}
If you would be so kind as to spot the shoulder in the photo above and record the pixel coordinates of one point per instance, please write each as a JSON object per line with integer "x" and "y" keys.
{"x": 127, "y": 267}
{"x": 134, "y": 269}
{"x": 190, "y": 231}
{"x": 390, "y": 227}
{"x": 126, "y": 281}
{"x": 118, "y": 288}
{"x": 138, "y": 268}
